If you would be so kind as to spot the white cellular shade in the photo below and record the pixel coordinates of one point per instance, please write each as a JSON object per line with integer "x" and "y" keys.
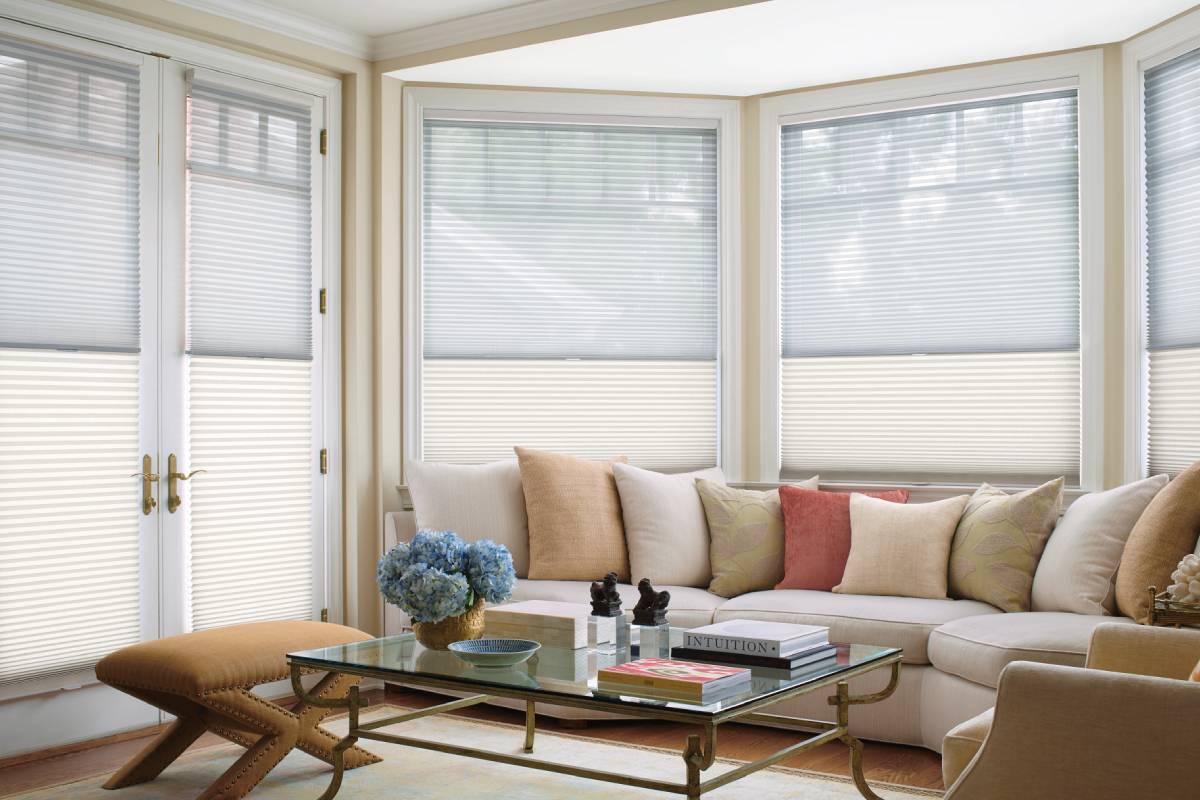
{"x": 930, "y": 293}
{"x": 570, "y": 291}
{"x": 952, "y": 229}
{"x": 250, "y": 426}
{"x": 249, "y": 224}
{"x": 553, "y": 241}
{"x": 1172, "y": 141}
{"x": 69, "y": 512}
{"x": 69, "y": 153}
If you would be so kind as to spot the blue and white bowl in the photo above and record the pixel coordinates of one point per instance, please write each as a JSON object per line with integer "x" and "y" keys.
{"x": 494, "y": 652}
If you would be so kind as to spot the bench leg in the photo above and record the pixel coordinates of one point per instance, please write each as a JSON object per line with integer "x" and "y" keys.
{"x": 320, "y": 743}
{"x": 159, "y": 754}
{"x": 277, "y": 731}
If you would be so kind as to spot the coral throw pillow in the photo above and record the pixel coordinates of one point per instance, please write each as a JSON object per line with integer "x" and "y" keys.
{"x": 816, "y": 531}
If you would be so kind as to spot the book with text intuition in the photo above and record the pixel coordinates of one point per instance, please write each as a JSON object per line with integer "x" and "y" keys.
{"x": 809, "y": 655}
{"x": 756, "y": 638}
{"x": 673, "y": 679}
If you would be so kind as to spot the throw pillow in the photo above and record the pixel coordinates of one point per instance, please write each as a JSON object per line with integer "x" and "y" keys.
{"x": 816, "y": 534}
{"x": 477, "y": 501}
{"x": 575, "y": 529}
{"x": 899, "y": 549}
{"x": 665, "y": 527}
{"x": 1079, "y": 566}
{"x": 1164, "y": 534}
{"x": 746, "y": 529}
{"x": 999, "y": 541}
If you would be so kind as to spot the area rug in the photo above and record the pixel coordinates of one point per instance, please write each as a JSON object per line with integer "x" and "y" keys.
{"x": 410, "y": 774}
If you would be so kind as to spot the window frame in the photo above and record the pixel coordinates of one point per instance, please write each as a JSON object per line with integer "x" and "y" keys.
{"x": 501, "y": 105}
{"x": 1082, "y": 71}
{"x": 1138, "y": 55}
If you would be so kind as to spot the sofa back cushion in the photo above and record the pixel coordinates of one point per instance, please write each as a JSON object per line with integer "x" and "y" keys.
{"x": 665, "y": 528}
{"x": 1078, "y": 569}
{"x": 816, "y": 535}
{"x": 900, "y": 549}
{"x": 575, "y": 528}
{"x": 746, "y": 531}
{"x": 476, "y": 501}
{"x": 999, "y": 542}
{"x": 1164, "y": 534}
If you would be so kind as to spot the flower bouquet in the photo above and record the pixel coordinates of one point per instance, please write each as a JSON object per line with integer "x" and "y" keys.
{"x": 442, "y": 583}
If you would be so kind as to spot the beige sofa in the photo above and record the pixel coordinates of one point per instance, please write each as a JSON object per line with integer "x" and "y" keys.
{"x": 1122, "y": 728}
{"x": 954, "y": 650}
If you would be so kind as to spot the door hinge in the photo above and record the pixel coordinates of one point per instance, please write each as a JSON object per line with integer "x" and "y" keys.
{"x": 324, "y": 461}
{"x": 324, "y": 615}
{"x": 324, "y": 141}
{"x": 322, "y": 301}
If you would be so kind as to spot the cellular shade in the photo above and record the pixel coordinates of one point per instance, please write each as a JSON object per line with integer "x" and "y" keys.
{"x": 1172, "y": 142}
{"x": 930, "y": 293}
{"x": 69, "y": 222}
{"x": 249, "y": 224}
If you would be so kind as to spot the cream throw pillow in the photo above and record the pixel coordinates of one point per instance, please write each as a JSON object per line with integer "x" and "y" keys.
{"x": 476, "y": 501}
{"x": 746, "y": 529}
{"x": 900, "y": 549}
{"x": 665, "y": 528}
{"x": 1079, "y": 566}
{"x": 575, "y": 528}
{"x": 999, "y": 541}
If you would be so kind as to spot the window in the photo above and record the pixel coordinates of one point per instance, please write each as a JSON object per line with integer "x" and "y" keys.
{"x": 1172, "y": 242}
{"x": 930, "y": 293}
{"x": 569, "y": 276}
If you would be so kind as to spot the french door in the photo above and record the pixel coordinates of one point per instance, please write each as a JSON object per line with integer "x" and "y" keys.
{"x": 161, "y": 370}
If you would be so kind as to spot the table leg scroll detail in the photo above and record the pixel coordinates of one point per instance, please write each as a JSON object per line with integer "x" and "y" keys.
{"x": 530, "y": 720}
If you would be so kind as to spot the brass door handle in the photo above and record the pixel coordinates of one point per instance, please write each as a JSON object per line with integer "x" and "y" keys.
{"x": 149, "y": 478}
{"x": 173, "y": 478}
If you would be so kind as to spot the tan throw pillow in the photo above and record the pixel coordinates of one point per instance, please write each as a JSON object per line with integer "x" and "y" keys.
{"x": 665, "y": 527}
{"x": 999, "y": 542}
{"x": 1163, "y": 535}
{"x": 900, "y": 549}
{"x": 575, "y": 528}
{"x": 746, "y": 531}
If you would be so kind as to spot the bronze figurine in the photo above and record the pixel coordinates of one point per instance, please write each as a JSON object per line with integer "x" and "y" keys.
{"x": 651, "y": 608}
{"x": 606, "y": 600}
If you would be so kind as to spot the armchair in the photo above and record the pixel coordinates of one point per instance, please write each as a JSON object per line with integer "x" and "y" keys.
{"x": 1123, "y": 727}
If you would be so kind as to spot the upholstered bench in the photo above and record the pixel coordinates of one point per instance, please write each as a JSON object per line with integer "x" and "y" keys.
{"x": 204, "y": 679}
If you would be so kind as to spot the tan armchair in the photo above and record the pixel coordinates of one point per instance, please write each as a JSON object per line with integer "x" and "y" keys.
{"x": 1125, "y": 727}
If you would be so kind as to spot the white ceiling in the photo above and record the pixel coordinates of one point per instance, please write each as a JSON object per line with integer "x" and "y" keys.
{"x": 379, "y": 17}
{"x": 785, "y": 44}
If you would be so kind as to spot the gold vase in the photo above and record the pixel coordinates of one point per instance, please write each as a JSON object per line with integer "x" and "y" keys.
{"x": 439, "y": 635}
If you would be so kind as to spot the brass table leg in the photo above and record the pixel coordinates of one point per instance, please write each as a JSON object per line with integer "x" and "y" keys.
{"x": 699, "y": 758}
{"x": 843, "y": 700}
{"x": 530, "y": 718}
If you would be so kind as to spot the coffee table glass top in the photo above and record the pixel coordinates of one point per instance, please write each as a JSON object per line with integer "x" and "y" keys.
{"x": 558, "y": 671}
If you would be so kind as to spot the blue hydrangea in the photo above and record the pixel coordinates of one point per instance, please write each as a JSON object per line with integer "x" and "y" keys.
{"x": 443, "y": 550}
{"x": 490, "y": 570}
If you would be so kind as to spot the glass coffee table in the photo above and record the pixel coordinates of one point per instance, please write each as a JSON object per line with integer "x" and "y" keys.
{"x": 563, "y": 677}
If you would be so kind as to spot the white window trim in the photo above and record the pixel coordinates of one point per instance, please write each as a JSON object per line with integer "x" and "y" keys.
{"x": 580, "y": 107}
{"x": 1081, "y": 70}
{"x": 53, "y": 21}
{"x": 1138, "y": 55}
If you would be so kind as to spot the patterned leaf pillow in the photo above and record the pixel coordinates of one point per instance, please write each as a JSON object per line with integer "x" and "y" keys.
{"x": 999, "y": 542}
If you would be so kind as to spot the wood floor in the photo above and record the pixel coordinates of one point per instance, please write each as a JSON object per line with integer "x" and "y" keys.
{"x": 911, "y": 766}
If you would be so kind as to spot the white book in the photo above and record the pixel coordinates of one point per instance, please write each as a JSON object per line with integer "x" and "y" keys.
{"x": 757, "y": 638}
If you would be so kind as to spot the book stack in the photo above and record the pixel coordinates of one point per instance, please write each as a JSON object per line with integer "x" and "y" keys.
{"x": 670, "y": 679}
{"x": 751, "y": 643}
{"x": 552, "y": 624}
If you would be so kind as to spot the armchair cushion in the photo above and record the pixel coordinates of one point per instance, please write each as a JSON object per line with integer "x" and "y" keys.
{"x": 962, "y": 743}
{"x": 1142, "y": 650}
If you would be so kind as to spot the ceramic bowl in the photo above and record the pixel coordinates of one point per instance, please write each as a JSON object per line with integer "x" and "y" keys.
{"x": 494, "y": 652}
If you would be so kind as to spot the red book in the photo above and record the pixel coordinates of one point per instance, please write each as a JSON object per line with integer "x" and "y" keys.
{"x": 680, "y": 680}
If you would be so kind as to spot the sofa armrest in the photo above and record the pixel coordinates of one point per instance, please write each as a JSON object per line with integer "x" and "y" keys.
{"x": 1068, "y": 732}
{"x": 398, "y": 526}
{"x": 1143, "y": 650}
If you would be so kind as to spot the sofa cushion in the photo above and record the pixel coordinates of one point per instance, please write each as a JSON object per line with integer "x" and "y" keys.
{"x": 979, "y": 648}
{"x": 690, "y": 607}
{"x": 904, "y": 622}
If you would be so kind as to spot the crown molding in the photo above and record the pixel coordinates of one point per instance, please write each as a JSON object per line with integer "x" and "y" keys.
{"x": 287, "y": 23}
{"x": 502, "y": 21}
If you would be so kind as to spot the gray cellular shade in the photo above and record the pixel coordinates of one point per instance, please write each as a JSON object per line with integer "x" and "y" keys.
{"x": 249, "y": 224}
{"x": 1172, "y": 108}
{"x": 951, "y": 229}
{"x": 69, "y": 220}
{"x": 569, "y": 241}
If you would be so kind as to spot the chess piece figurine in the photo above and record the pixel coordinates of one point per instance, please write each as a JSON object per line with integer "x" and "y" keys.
{"x": 606, "y": 600}
{"x": 651, "y": 608}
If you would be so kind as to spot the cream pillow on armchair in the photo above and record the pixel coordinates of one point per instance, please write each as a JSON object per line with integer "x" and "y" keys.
{"x": 900, "y": 549}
